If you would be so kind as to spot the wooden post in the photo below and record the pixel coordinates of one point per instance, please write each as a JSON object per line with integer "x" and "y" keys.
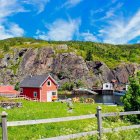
{"x": 99, "y": 121}
{"x": 4, "y": 125}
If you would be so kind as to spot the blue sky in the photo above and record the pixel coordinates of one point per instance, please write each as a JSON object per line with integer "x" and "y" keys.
{"x": 108, "y": 21}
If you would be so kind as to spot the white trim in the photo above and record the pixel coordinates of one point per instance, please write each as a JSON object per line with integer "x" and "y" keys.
{"x": 47, "y": 79}
{"x": 21, "y": 90}
{"x": 40, "y": 94}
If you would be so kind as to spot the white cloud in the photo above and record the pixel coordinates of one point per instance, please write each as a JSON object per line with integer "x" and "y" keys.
{"x": 108, "y": 13}
{"x": 60, "y": 30}
{"x": 38, "y": 4}
{"x": 9, "y": 7}
{"x": 12, "y": 31}
{"x": 71, "y": 3}
{"x": 121, "y": 31}
{"x": 87, "y": 36}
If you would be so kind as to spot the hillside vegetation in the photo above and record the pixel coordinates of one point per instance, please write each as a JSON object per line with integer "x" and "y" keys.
{"x": 112, "y": 55}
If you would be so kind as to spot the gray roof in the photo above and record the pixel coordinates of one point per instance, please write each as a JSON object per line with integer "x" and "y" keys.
{"x": 34, "y": 81}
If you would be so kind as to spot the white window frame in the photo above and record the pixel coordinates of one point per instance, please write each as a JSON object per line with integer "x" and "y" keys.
{"x": 50, "y": 83}
{"x": 35, "y": 93}
{"x": 21, "y": 90}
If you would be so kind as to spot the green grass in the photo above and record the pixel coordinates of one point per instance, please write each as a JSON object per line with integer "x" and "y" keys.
{"x": 35, "y": 110}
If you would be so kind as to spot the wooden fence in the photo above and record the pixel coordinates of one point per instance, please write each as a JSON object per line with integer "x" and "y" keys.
{"x": 4, "y": 124}
{"x": 25, "y": 97}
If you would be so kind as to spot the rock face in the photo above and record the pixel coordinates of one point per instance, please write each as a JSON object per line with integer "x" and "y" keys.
{"x": 70, "y": 67}
{"x": 65, "y": 67}
{"x": 36, "y": 61}
{"x": 122, "y": 73}
{"x": 101, "y": 71}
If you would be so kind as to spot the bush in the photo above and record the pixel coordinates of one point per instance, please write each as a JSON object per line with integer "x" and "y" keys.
{"x": 131, "y": 99}
{"x": 79, "y": 84}
{"x": 68, "y": 86}
{"x": 82, "y": 100}
{"x": 6, "y": 48}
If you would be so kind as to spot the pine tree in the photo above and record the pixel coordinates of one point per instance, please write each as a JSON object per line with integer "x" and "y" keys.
{"x": 89, "y": 55}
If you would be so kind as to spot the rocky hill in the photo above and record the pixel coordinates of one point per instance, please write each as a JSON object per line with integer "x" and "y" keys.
{"x": 20, "y": 57}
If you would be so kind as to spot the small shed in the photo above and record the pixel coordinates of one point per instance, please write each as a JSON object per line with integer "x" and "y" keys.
{"x": 39, "y": 87}
{"x": 107, "y": 86}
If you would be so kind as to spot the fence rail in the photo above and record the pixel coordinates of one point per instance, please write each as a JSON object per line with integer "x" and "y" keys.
{"x": 106, "y": 130}
{"x": 120, "y": 113}
{"x": 4, "y": 124}
{"x": 24, "y": 97}
{"x": 53, "y": 120}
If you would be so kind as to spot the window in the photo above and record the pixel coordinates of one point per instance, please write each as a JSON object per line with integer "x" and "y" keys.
{"x": 49, "y": 83}
{"x": 106, "y": 86}
{"x": 53, "y": 93}
{"x": 35, "y": 94}
{"x": 21, "y": 90}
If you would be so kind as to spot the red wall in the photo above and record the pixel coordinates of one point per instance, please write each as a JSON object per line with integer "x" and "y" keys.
{"x": 46, "y": 88}
{"x": 41, "y": 92}
{"x": 29, "y": 92}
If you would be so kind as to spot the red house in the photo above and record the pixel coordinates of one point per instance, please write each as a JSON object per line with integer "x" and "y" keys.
{"x": 8, "y": 91}
{"x": 41, "y": 87}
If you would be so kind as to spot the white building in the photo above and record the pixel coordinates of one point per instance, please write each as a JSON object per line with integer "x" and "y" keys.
{"x": 126, "y": 87}
{"x": 107, "y": 86}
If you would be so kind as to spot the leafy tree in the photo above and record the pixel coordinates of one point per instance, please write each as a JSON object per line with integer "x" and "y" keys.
{"x": 131, "y": 99}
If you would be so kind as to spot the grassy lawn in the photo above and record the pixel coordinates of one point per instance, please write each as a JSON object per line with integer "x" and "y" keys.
{"x": 35, "y": 110}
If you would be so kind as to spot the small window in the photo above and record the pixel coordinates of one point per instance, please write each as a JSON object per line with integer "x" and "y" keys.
{"x": 35, "y": 94}
{"x": 53, "y": 93}
{"x": 49, "y": 83}
{"x": 106, "y": 86}
{"x": 21, "y": 90}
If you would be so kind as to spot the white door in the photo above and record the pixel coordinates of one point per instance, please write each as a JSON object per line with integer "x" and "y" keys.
{"x": 49, "y": 96}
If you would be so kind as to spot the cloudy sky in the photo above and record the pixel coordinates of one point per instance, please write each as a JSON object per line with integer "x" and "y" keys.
{"x": 108, "y": 21}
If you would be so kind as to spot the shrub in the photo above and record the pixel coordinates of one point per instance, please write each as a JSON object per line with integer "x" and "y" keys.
{"x": 67, "y": 86}
{"x": 131, "y": 99}
{"x": 6, "y": 48}
{"x": 79, "y": 84}
{"x": 82, "y": 100}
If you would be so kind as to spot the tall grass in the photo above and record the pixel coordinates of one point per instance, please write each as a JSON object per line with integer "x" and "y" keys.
{"x": 35, "y": 110}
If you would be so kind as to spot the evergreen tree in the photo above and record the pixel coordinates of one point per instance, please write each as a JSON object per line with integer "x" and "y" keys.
{"x": 89, "y": 55}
